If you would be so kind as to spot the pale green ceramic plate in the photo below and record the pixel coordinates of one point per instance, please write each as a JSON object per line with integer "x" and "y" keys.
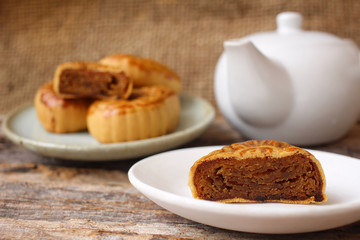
{"x": 23, "y": 128}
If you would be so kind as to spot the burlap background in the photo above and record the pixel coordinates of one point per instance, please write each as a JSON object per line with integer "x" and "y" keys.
{"x": 187, "y": 35}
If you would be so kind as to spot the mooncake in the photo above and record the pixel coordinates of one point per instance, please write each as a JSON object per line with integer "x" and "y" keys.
{"x": 149, "y": 112}
{"x": 144, "y": 72}
{"x": 59, "y": 115}
{"x": 259, "y": 171}
{"x": 91, "y": 80}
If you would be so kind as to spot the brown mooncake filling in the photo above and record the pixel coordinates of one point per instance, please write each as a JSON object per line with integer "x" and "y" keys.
{"x": 88, "y": 83}
{"x": 259, "y": 179}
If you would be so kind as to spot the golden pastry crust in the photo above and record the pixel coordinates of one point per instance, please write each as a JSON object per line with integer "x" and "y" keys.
{"x": 149, "y": 112}
{"x": 60, "y": 115}
{"x": 91, "y": 80}
{"x": 144, "y": 72}
{"x": 259, "y": 171}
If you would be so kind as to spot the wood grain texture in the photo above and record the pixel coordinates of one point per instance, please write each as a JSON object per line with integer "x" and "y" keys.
{"x": 47, "y": 198}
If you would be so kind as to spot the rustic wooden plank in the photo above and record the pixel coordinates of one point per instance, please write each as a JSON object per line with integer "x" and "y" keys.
{"x": 47, "y": 198}
{"x": 47, "y": 201}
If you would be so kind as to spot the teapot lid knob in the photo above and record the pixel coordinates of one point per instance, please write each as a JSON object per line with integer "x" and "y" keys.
{"x": 288, "y": 22}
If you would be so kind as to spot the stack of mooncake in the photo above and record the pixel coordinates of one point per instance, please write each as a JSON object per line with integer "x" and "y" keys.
{"x": 120, "y": 98}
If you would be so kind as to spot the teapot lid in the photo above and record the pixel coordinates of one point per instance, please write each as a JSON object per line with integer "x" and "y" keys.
{"x": 289, "y": 31}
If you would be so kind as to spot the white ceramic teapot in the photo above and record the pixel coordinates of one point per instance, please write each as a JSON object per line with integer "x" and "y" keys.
{"x": 302, "y": 87}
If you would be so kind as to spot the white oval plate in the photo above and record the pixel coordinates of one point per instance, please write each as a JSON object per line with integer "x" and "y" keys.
{"x": 23, "y": 128}
{"x": 163, "y": 178}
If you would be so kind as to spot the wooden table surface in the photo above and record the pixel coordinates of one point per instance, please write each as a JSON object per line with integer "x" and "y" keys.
{"x": 47, "y": 198}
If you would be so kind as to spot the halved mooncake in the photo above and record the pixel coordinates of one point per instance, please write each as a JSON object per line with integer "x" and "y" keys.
{"x": 259, "y": 171}
{"x": 91, "y": 80}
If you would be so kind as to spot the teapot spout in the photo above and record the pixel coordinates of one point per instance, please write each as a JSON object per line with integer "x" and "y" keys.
{"x": 260, "y": 89}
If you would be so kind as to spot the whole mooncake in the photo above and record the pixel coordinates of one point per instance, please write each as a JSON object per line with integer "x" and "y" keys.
{"x": 149, "y": 112}
{"x": 259, "y": 171}
{"x": 144, "y": 71}
{"x": 59, "y": 115}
